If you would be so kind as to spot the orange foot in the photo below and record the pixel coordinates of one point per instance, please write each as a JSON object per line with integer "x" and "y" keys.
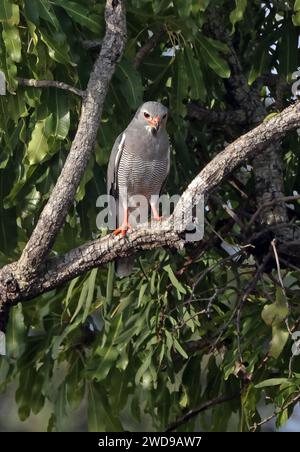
{"x": 157, "y": 218}
{"x": 122, "y": 229}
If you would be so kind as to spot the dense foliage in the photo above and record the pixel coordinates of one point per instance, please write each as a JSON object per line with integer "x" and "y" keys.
{"x": 186, "y": 327}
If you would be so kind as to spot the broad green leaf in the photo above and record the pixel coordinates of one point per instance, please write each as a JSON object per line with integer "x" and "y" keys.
{"x": 46, "y": 12}
{"x": 130, "y": 83}
{"x": 211, "y": 56}
{"x": 271, "y": 382}
{"x": 80, "y": 14}
{"x": 107, "y": 353}
{"x": 279, "y": 339}
{"x": 6, "y": 10}
{"x": 179, "y": 348}
{"x": 274, "y": 314}
{"x": 296, "y": 19}
{"x": 100, "y": 415}
{"x": 16, "y": 331}
{"x": 59, "y": 105}
{"x": 198, "y": 90}
{"x": 38, "y": 147}
{"x": 238, "y": 13}
{"x": 297, "y": 5}
{"x": 174, "y": 280}
{"x": 12, "y": 42}
{"x": 57, "y": 47}
{"x": 31, "y": 11}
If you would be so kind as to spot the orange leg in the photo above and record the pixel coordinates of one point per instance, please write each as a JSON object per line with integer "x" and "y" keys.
{"x": 125, "y": 226}
{"x": 155, "y": 213}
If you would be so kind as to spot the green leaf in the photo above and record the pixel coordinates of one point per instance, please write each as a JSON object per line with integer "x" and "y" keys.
{"x": 296, "y": 19}
{"x": 16, "y": 332}
{"x": 279, "y": 339}
{"x": 59, "y": 105}
{"x": 108, "y": 353}
{"x": 174, "y": 280}
{"x": 213, "y": 59}
{"x": 57, "y": 47}
{"x": 275, "y": 314}
{"x": 6, "y": 10}
{"x": 90, "y": 294}
{"x": 179, "y": 86}
{"x": 80, "y": 14}
{"x": 38, "y": 147}
{"x": 198, "y": 90}
{"x": 12, "y": 42}
{"x": 297, "y": 5}
{"x": 100, "y": 415}
{"x": 46, "y": 13}
{"x": 238, "y": 13}
{"x": 271, "y": 382}
{"x": 179, "y": 348}
{"x": 130, "y": 83}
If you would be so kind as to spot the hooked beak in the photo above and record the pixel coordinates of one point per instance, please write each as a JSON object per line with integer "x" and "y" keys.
{"x": 155, "y": 122}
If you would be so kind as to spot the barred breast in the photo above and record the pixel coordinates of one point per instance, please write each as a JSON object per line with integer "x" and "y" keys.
{"x": 141, "y": 177}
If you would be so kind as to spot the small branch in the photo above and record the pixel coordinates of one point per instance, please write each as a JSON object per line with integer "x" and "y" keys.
{"x": 50, "y": 84}
{"x": 148, "y": 47}
{"x": 194, "y": 412}
{"x": 276, "y": 412}
{"x": 273, "y": 244}
{"x": 216, "y": 117}
{"x": 270, "y": 204}
{"x": 91, "y": 44}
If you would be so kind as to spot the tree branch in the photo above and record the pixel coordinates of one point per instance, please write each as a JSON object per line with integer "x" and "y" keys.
{"x": 148, "y": 47}
{"x": 54, "y": 213}
{"x": 216, "y": 117}
{"x": 50, "y": 84}
{"x": 194, "y": 412}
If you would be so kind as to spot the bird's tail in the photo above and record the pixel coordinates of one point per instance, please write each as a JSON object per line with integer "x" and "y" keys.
{"x": 124, "y": 266}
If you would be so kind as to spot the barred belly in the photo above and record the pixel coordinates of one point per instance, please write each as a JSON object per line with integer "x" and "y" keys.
{"x": 141, "y": 177}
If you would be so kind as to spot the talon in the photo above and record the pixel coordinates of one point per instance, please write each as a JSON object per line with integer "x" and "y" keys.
{"x": 122, "y": 230}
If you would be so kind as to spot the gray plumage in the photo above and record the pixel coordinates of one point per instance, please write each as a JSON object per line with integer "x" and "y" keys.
{"x": 139, "y": 162}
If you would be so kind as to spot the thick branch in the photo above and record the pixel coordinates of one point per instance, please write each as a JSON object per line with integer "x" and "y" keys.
{"x": 49, "y": 84}
{"x": 54, "y": 214}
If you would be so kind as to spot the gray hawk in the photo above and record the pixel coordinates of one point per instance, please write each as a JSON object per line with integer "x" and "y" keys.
{"x": 139, "y": 164}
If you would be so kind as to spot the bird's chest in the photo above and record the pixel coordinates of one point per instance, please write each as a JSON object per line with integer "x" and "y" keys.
{"x": 141, "y": 176}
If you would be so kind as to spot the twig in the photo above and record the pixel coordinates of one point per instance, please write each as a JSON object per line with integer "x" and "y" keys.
{"x": 273, "y": 244}
{"x": 194, "y": 412}
{"x": 50, "y": 84}
{"x": 91, "y": 44}
{"x": 148, "y": 47}
{"x": 270, "y": 204}
{"x": 276, "y": 412}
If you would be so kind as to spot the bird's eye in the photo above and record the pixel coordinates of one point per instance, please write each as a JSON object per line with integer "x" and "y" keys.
{"x": 164, "y": 116}
{"x": 147, "y": 116}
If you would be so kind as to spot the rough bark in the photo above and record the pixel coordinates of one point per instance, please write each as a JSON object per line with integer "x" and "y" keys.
{"x": 55, "y": 211}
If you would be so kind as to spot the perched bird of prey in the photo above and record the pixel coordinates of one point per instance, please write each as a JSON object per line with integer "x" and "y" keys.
{"x": 139, "y": 164}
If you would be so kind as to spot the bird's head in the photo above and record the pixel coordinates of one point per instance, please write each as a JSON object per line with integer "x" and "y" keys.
{"x": 153, "y": 116}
